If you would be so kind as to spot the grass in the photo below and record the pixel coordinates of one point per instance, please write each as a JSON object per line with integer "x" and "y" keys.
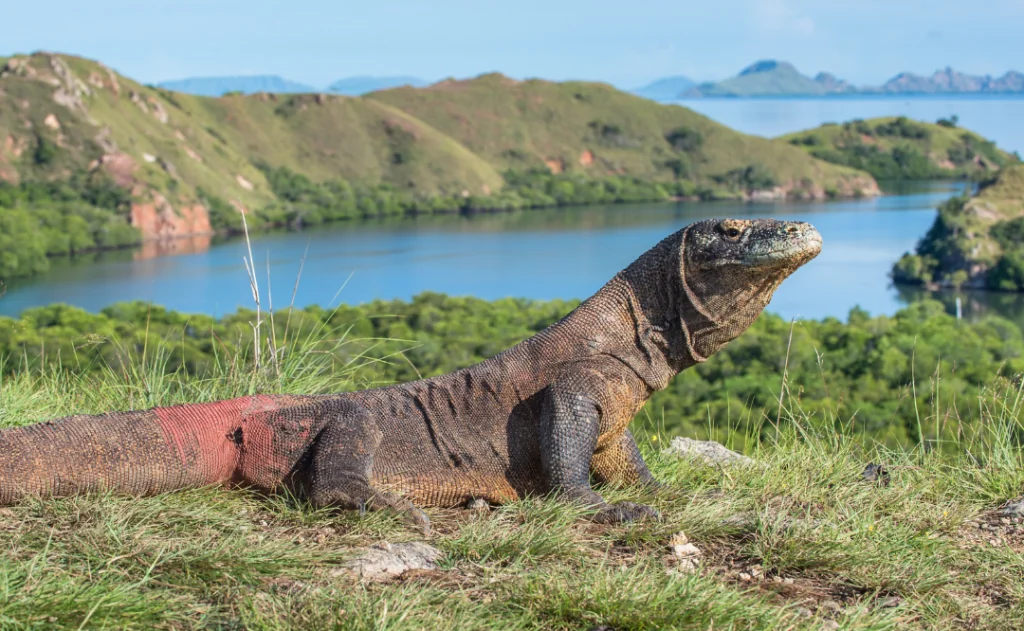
{"x": 799, "y": 540}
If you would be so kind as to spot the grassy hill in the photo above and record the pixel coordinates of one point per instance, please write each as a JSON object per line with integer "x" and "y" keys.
{"x": 800, "y": 539}
{"x": 899, "y": 148}
{"x": 596, "y": 129}
{"x": 449, "y": 137}
{"x": 976, "y": 241}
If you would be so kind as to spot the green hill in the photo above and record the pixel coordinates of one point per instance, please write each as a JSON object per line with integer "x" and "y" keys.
{"x": 976, "y": 241}
{"x": 596, "y": 129}
{"x": 899, "y": 148}
{"x": 90, "y": 159}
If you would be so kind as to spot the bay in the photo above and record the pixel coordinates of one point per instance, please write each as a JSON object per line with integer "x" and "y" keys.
{"x": 541, "y": 254}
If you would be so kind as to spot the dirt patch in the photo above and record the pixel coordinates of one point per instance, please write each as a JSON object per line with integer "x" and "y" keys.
{"x": 994, "y": 529}
{"x": 586, "y": 158}
{"x": 120, "y": 167}
{"x": 392, "y": 125}
{"x": 555, "y": 165}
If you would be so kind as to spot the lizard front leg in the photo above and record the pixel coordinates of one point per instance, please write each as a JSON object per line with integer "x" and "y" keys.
{"x": 621, "y": 464}
{"x": 570, "y": 426}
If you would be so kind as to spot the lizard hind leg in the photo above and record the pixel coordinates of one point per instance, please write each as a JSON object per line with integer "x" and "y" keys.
{"x": 342, "y": 463}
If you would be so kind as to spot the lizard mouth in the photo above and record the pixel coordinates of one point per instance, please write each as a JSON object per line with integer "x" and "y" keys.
{"x": 798, "y": 251}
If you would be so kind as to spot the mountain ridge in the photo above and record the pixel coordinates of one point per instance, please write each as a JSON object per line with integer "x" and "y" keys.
{"x": 770, "y": 77}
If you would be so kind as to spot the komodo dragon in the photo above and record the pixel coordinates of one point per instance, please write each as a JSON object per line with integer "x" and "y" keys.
{"x": 547, "y": 415}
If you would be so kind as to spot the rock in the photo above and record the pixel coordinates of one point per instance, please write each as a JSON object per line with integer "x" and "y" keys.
{"x": 829, "y": 625}
{"x": 387, "y": 560}
{"x": 477, "y": 504}
{"x": 708, "y": 451}
{"x": 244, "y": 183}
{"x": 1013, "y": 509}
{"x": 52, "y": 122}
{"x": 686, "y": 554}
{"x": 876, "y": 473}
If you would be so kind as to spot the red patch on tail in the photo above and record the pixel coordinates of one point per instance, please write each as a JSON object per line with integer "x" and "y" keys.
{"x": 203, "y": 435}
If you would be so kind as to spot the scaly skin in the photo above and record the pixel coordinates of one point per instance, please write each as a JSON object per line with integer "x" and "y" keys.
{"x": 547, "y": 415}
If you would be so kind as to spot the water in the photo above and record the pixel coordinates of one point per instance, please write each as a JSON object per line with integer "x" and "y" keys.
{"x": 543, "y": 254}
{"x": 997, "y": 118}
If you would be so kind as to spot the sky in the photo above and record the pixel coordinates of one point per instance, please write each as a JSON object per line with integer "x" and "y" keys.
{"x": 624, "y": 43}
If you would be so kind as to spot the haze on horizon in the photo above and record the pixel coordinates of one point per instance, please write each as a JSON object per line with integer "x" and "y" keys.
{"x": 317, "y": 42}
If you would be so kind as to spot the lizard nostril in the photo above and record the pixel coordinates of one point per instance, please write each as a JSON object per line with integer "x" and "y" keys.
{"x": 792, "y": 229}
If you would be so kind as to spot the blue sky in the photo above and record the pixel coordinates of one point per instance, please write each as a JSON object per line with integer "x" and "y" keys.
{"x": 623, "y": 42}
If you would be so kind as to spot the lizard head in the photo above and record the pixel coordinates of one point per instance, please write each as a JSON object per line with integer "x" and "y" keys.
{"x": 729, "y": 270}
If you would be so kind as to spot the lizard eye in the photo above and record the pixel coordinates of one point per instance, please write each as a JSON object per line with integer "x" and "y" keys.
{"x": 732, "y": 233}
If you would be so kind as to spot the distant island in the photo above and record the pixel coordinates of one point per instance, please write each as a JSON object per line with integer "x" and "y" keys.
{"x": 665, "y": 89}
{"x": 779, "y": 78}
{"x": 273, "y": 84}
{"x": 358, "y": 86}
{"x": 219, "y": 86}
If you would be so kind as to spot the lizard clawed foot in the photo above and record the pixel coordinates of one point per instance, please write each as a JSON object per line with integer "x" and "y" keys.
{"x": 625, "y": 512}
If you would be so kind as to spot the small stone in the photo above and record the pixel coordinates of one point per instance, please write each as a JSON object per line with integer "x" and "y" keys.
{"x": 387, "y": 560}
{"x": 788, "y": 581}
{"x": 477, "y": 504}
{"x": 777, "y": 579}
{"x": 744, "y": 576}
{"x": 707, "y": 451}
{"x": 831, "y": 605}
{"x": 1013, "y": 509}
{"x": 876, "y": 473}
{"x": 804, "y": 611}
{"x": 682, "y": 549}
{"x": 891, "y": 601}
{"x": 829, "y": 625}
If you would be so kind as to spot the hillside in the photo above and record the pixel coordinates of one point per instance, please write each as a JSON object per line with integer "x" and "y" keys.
{"x": 805, "y": 535}
{"x": 596, "y": 129}
{"x": 218, "y": 86}
{"x": 105, "y": 152}
{"x": 770, "y": 78}
{"x": 976, "y": 241}
{"x": 899, "y": 148}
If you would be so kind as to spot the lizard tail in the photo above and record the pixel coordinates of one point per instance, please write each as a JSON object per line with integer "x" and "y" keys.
{"x": 134, "y": 453}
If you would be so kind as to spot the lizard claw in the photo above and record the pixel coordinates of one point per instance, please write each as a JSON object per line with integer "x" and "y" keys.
{"x": 624, "y": 512}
